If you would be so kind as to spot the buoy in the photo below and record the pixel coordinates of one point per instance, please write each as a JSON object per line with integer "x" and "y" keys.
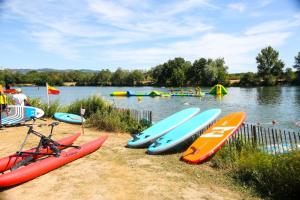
{"x": 139, "y": 98}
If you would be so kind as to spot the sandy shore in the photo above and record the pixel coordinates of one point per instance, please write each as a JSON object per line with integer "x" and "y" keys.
{"x": 116, "y": 172}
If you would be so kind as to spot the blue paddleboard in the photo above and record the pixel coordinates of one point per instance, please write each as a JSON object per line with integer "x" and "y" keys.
{"x": 15, "y": 114}
{"x": 162, "y": 127}
{"x": 68, "y": 118}
{"x": 184, "y": 131}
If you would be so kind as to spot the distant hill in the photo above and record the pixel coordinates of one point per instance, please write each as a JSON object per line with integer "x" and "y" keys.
{"x": 23, "y": 71}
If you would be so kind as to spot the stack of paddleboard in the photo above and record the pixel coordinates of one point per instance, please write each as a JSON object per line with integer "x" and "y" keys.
{"x": 177, "y": 128}
{"x": 13, "y": 114}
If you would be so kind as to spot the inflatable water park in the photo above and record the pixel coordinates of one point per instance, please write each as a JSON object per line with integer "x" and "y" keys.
{"x": 215, "y": 90}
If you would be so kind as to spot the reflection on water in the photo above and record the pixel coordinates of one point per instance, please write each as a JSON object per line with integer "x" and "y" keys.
{"x": 262, "y": 104}
{"x": 268, "y": 95}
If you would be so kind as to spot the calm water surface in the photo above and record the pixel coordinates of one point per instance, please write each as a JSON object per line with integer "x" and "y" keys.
{"x": 262, "y": 104}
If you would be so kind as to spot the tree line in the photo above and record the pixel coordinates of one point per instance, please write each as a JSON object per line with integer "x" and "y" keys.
{"x": 270, "y": 70}
{"x": 177, "y": 72}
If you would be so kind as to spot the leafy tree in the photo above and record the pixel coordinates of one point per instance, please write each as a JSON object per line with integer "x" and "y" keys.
{"x": 222, "y": 71}
{"x": 270, "y": 80}
{"x": 172, "y": 73}
{"x": 157, "y": 74}
{"x": 269, "y": 64}
{"x": 178, "y": 77}
{"x": 196, "y": 71}
{"x": 289, "y": 75}
{"x": 119, "y": 77}
{"x": 102, "y": 78}
{"x": 178, "y": 68}
{"x": 249, "y": 79}
{"x": 210, "y": 73}
{"x": 214, "y": 72}
{"x": 136, "y": 77}
{"x": 297, "y": 62}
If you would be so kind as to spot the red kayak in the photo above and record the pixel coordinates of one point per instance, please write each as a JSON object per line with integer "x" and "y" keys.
{"x": 7, "y": 162}
{"x": 43, "y": 166}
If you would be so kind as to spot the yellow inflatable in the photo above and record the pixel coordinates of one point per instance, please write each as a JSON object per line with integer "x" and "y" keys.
{"x": 218, "y": 90}
{"x": 119, "y": 93}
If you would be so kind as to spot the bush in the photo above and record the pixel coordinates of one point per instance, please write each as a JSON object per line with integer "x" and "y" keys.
{"x": 49, "y": 111}
{"x": 99, "y": 114}
{"x": 275, "y": 176}
{"x": 91, "y": 105}
{"x": 111, "y": 119}
{"x": 269, "y": 80}
{"x": 105, "y": 116}
{"x": 249, "y": 79}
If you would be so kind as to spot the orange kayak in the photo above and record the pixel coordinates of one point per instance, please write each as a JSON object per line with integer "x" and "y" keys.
{"x": 214, "y": 138}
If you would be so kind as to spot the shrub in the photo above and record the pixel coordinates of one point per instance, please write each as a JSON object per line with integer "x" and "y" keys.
{"x": 49, "y": 111}
{"x": 111, "y": 119}
{"x": 275, "y": 176}
{"x": 249, "y": 79}
{"x": 269, "y": 80}
{"x": 105, "y": 116}
{"x": 99, "y": 114}
{"x": 91, "y": 105}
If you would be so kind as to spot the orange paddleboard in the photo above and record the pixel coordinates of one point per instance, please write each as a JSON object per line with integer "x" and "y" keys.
{"x": 214, "y": 138}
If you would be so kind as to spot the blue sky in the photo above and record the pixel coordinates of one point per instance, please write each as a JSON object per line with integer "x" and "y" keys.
{"x": 140, "y": 34}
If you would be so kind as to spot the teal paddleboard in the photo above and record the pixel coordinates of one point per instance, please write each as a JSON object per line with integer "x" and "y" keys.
{"x": 162, "y": 127}
{"x": 184, "y": 131}
{"x": 68, "y": 118}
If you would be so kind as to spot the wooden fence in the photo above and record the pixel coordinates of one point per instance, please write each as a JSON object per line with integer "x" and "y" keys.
{"x": 139, "y": 115}
{"x": 270, "y": 140}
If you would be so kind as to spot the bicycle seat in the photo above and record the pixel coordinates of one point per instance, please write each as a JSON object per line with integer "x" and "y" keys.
{"x": 33, "y": 118}
{"x": 53, "y": 124}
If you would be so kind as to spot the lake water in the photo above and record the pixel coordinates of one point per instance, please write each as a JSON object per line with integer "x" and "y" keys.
{"x": 262, "y": 104}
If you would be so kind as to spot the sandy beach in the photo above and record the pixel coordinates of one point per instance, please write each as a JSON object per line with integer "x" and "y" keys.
{"x": 117, "y": 172}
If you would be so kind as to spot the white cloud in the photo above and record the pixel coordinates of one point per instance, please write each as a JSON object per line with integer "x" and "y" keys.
{"x": 183, "y": 6}
{"x": 235, "y": 50}
{"x": 273, "y": 26}
{"x": 241, "y": 7}
{"x": 139, "y": 33}
{"x": 55, "y": 43}
{"x": 110, "y": 10}
{"x": 264, "y": 3}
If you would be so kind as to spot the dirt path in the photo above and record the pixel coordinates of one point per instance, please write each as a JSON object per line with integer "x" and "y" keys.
{"x": 116, "y": 172}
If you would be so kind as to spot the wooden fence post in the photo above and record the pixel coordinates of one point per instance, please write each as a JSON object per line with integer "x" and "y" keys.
{"x": 254, "y": 136}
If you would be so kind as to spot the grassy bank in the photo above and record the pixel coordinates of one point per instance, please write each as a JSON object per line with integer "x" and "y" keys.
{"x": 271, "y": 176}
{"x": 99, "y": 114}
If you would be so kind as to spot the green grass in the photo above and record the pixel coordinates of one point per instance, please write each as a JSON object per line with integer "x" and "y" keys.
{"x": 49, "y": 111}
{"x": 272, "y": 176}
{"x": 99, "y": 114}
{"x": 91, "y": 105}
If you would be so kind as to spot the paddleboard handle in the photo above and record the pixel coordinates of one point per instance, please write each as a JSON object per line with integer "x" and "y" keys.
{"x": 135, "y": 138}
{"x": 195, "y": 150}
{"x": 156, "y": 144}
